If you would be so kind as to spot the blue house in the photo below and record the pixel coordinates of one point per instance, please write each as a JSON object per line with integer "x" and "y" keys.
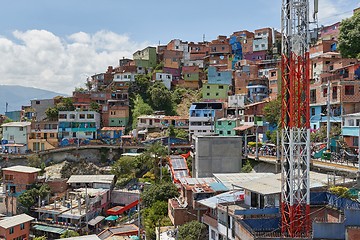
{"x": 219, "y": 77}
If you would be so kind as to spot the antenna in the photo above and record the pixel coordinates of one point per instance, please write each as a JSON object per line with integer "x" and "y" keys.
{"x": 204, "y": 37}
{"x": 316, "y": 9}
{"x": 6, "y": 107}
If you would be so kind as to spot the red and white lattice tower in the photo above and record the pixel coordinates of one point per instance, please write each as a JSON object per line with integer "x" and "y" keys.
{"x": 295, "y": 164}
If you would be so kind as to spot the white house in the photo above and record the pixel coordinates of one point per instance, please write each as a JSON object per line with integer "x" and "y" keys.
{"x": 15, "y": 137}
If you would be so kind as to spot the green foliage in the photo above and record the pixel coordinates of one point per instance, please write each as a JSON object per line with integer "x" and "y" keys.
{"x": 272, "y": 112}
{"x": 158, "y": 192}
{"x": 178, "y": 94}
{"x": 65, "y": 104}
{"x": 340, "y": 191}
{"x": 157, "y": 152}
{"x": 40, "y": 238}
{"x": 271, "y": 136}
{"x": 246, "y": 168}
{"x": 171, "y": 131}
{"x": 7, "y": 120}
{"x": 320, "y": 134}
{"x": 34, "y": 160}
{"x": 160, "y": 98}
{"x": 192, "y": 230}
{"x": 27, "y": 200}
{"x": 140, "y": 87}
{"x": 349, "y": 37}
{"x": 181, "y": 133}
{"x": 69, "y": 233}
{"x": 253, "y": 144}
{"x": 155, "y": 216}
{"x": 124, "y": 167}
{"x": 189, "y": 161}
{"x": 140, "y": 108}
{"x": 52, "y": 113}
{"x": 94, "y": 106}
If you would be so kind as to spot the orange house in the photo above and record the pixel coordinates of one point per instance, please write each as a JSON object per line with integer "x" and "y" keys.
{"x": 16, "y": 227}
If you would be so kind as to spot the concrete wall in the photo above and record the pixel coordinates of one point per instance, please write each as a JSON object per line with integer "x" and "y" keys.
{"x": 217, "y": 154}
{"x": 123, "y": 197}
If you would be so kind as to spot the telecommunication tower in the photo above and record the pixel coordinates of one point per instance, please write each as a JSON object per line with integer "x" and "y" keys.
{"x": 295, "y": 164}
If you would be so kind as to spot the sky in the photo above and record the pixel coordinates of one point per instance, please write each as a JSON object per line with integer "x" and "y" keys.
{"x": 56, "y": 45}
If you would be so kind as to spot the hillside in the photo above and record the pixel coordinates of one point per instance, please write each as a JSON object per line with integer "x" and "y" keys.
{"x": 17, "y": 96}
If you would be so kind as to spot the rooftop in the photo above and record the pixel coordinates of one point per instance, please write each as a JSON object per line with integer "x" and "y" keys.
{"x": 91, "y": 179}
{"x": 16, "y": 124}
{"x": 15, "y": 220}
{"x": 23, "y": 169}
{"x": 231, "y": 196}
{"x": 87, "y": 237}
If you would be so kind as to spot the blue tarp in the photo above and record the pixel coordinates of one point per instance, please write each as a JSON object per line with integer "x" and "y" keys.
{"x": 324, "y": 198}
{"x": 257, "y": 211}
{"x": 263, "y": 224}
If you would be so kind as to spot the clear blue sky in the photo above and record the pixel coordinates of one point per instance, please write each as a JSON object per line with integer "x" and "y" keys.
{"x": 59, "y": 43}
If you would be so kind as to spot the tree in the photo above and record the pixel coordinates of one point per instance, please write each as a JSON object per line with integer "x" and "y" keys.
{"x": 52, "y": 113}
{"x": 192, "y": 230}
{"x": 34, "y": 160}
{"x": 155, "y": 216}
{"x": 159, "y": 192}
{"x": 272, "y": 112}
{"x": 340, "y": 191}
{"x": 246, "y": 168}
{"x": 140, "y": 87}
{"x": 349, "y": 37}
{"x": 27, "y": 200}
{"x": 124, "y": 167}
{"x": 157, "y": 151}
{"x": 160, "y": 98}
{"x": 66, "y": 104}
{"x": 69, "y": 233}
{"x": 94, "y": 106}
{"x": 140, "y": 108}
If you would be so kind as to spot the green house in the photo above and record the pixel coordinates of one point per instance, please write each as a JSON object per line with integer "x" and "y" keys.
{"x": 225, "y": 126}
{"x": 215, "y": 91}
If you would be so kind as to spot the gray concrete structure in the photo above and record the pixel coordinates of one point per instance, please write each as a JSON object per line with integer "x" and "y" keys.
{"x": 40, "y": 106}
{"x": 216, "y": 154}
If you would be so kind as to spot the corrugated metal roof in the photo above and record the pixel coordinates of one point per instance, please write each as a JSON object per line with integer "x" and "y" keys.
{"x": 15, "y": 220}
{"x": 87, "y": 237}
{"x": 91, "y": 179}
{"x": 24, "y": 169}
{"x": 231, "y": 196}
{"x": 231, "y": 180}
{"x": 44, "y": 228}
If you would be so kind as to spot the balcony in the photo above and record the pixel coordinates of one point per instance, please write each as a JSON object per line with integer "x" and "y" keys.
{"x": 209, "y": 221}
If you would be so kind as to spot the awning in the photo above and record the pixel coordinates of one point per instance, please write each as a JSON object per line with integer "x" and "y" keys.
{"x": 243, "y": 127}
{"x": 96, "y": 220}
{"x": 44, "y": 228}
{"x": 111, "y": 218}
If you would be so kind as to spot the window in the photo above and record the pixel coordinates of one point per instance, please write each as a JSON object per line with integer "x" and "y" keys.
{"x": 82, "y": 116}
{"x": 256, "y": 46}
{"x": 349, "y": 90}
{"x": 221, "y": 87}
{"x": 21, "y": 129}
{"x": 22, "y": 226}
{"x": 312, "y": 111}
{"x": 229, "y": 123}
{"x": 9, "y": 177}
{"x": 72, "y": 116}
{"x": 219, "y": 74}
{"x": 90, "y": 116}
{"x": 37, "y": 102}
{"x": 11, "y": 230}
{"x": 208, "y": 87}
{"x": 325, "y": 92}
{"x": 219, "y": 123}
{"x": 1, "y": 200}
{"x": 207, "y": 94}
{"x": 217, "y": 94}
{"x": 221, "y": 132}
{"x": 228, "y": 132}
{"x": 62, "y": 116}
{"x": 262, "y": 45}
{"x": 12, "y": 137}
{"x": 52, "y": 135}
{"x": 88, "y": 133}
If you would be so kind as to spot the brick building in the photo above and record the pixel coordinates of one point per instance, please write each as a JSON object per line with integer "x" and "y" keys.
{"x": 16, "y": 227}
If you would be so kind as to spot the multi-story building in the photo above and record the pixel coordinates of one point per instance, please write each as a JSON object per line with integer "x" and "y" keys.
{"x": 164, "y": 78}
{"x": 258, "y": 89}
{"x": 321, "y": 47}
{"x": 218, "y": 76}
{"x": 145, "y": 58}
{"x": 44, "y": 136}
{"x": 16, "y": 180}
{"x": 220, "y": 53}
{"x": 246, "y": 39}
{"x": 162, "y": 122}
{"x": 330, "y": 32}
{"x": 16, "y": 227}
{"x": 202, "y": 117}
{"x": 217, "y": 92}
{"x": 225, "y": 126}
{"x": 350, "y": 129}
{"x": 173, "y": 58}
{"x": 178, "y": 45}
{"x": 117, "y": 114}
{"x": 76, "y": 125}
{"x": 191, "y": 77}
{"x": 15, "y": 137}
{"x": 40, "y": 106}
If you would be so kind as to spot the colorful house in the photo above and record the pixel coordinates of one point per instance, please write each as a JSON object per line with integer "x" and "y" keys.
{"x": 225, "y": 126}
{"x": 15, "y": 137}
{"x": 217, "y": 92}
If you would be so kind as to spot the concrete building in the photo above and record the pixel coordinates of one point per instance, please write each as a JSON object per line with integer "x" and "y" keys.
{"x": 78, "y": 125}
{"x": 145, "y": 58}
{"x": 350, "y": 129}
{"x": 191, "y": 76}
{"x": 164, "y": 78}
{"x": 217, "y": 76}
{"x": 16, "y": 227}
{"x": 40, "y": 106}
{"x": 44, "y": 136}
{"x": 92, "y": 181}
{"x": 216, "y": 154}
{"x": 15, "y": 137}
{"x": 225, "y": 126}
{"x": 202, "y": 117}
{"x": 217, "y": 92}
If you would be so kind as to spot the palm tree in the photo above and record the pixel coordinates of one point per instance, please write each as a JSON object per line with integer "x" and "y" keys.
{"x": 157, "y": 151}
